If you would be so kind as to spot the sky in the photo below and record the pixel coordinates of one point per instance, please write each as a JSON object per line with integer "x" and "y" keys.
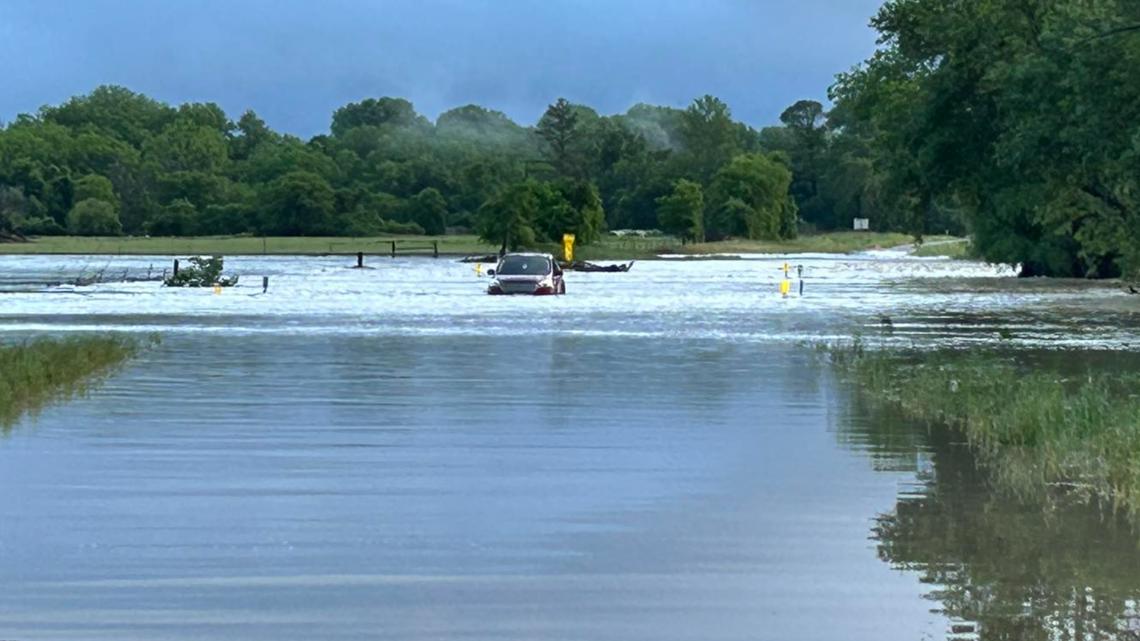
{"x": 295, "y": 61}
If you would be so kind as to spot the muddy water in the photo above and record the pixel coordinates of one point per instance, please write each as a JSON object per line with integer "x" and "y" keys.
{"x": 390, "y": 454}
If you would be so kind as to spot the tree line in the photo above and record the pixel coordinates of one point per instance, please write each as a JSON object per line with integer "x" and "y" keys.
{"x": 117, "y": 162}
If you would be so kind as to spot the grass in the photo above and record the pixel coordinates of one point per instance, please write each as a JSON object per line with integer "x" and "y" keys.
{"x": 957, "y": 249}
{"x": 843, "y": 242}
{"x": 608, "y": 248}
{"x": 1039, "y": 432}
{"x": 35, "y": 372}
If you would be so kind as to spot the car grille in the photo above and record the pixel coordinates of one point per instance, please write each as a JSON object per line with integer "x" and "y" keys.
{"x": 517, "y": 287}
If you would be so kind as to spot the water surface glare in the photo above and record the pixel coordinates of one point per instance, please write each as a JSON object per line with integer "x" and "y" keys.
{"x": 391, "y": 454}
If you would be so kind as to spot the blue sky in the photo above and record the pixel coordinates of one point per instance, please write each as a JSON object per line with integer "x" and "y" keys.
{"x": 295, "y": 61}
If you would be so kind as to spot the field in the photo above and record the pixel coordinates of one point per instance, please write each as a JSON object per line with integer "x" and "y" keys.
{"x": 608, "y": 248}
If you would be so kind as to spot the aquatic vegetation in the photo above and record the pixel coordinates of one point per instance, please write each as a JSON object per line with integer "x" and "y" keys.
{"x": 36, "y": 372}
{"x": 1036, "y": 429}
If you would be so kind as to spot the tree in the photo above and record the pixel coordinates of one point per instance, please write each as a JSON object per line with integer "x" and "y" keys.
{"x": 208, "y": 115}
{"x": 508, "y": 218}
{"x": 805, "y": 122}
{"x": 297, "y": 204}
{"x": 1021, "y": 116}
{"x": 93, "y": 217}
{"x": 682, "y": 212}
{"x": 187, "y": 146}
{"x": 13, "y": 210}
{"x": 376, "y": 112}
{"x": 252, "y": 133}
{"x": 113, "y": 111}
{"x": 428, "y": 209}
{"x": 568, "y": 207}
{"x": 179, "y": 218}
{"x": 97, "y": 187}
{"x": 749, "y": 198}
{"x": 708, "y": 135}
{"x": 559, "y": 128}
{"x": 218, "y": 220}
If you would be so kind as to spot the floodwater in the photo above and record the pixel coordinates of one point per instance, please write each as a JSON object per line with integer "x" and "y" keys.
{"x": 391, "y": 454}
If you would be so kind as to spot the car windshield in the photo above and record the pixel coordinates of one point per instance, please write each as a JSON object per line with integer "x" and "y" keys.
{"x": 524, "y": 266}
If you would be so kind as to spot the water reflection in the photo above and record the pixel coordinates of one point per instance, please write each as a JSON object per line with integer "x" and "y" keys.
{"x": 999, "y": 567}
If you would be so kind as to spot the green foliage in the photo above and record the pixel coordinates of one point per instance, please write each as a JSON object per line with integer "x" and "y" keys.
{"x": 1020, "y": 117}
{"x": 223, "y": 220}
{"x": 428, "y": 209}
{"x": 114, "y": 112}
{"x": 398, "y": 228}
{"x": 14, "y": 207}
{"x": 42, "y": 226}
{"x": 509, "y": 216}
{"x": 749, "y": 198}
{"x": 682, "y": 212}
{"x": 297, "y": 204}
{"x": 382, "y": 167}
{"x": 391, "y": 112}
{"x": 559, "y": 127}
{"x": 574, "y": 207}
{"x": 203, "y": 271}
{"x": 709, "y": 136}
{"x": 805, "y": 123}
{"x": 94, "y": 186}
{"x": 93, "y": 217}
{"x": 176, "y": 219}
{"x": 34, "y": 372}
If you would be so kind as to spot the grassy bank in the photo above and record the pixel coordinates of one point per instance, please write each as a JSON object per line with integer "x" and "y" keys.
{"x": 35, "y": 372}
{"x": 1038, "y": 431}
{"x": 608, "y": 248}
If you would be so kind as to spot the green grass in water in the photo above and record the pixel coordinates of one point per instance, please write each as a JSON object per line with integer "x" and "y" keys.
{"x": 35, "y": 372}
{"x": 1038, "y": 432}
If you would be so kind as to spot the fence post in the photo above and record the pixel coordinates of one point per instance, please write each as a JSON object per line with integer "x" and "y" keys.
{"x": 359, "y": 260}
{"x": 393, "y": 249}
{"x": 175, "y": 274}
{"x": 435, "y": 248}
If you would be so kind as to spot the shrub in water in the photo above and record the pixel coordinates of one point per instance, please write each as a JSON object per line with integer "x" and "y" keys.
{"x": 203, "y": 271}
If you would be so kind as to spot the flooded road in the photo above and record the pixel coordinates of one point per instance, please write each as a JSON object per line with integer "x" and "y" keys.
{"x": 391, "y": 454}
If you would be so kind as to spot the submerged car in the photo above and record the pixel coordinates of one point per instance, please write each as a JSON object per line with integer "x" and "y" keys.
{"x": 535, "y": 274}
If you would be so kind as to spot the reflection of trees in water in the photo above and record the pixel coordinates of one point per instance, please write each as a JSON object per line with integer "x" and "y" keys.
{"x": 1018, "y": 568}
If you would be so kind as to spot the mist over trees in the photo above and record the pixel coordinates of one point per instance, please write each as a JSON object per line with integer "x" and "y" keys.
{"x": 115, "y": 161}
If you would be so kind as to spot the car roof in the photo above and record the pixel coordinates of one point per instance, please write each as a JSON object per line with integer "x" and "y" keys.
{"x": 528, "y": 254}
